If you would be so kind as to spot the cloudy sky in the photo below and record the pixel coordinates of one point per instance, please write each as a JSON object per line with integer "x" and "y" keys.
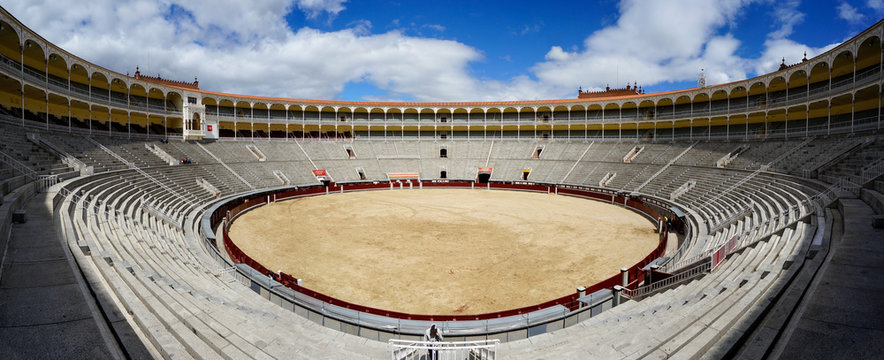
{"x": 444, "y": 50}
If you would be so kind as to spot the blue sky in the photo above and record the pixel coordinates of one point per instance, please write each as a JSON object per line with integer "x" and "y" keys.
{"x": 511, "y": 37}
{"x": 515, "y": 36}
{"x": 445, "y": 50}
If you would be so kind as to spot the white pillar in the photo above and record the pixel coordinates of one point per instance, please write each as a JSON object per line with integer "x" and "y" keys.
{"x": 22, "y": 67}
{"x": 786, "y": 122}
{"x": 727, "y": 124}
{"x": 709, "y": 120}
{"x": 585, "y": 123}
{"x": 691, "y": 127}
{"x": 110, "y": 119}
{"x": 853, "y": 96}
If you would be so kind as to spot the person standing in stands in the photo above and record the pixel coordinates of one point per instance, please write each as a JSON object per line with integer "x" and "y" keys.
{"x": 432, "y": 335}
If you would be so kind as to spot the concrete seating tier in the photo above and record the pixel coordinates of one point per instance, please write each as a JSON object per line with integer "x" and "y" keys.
{"x": 171, "y": 288}
{"x": 850, "y": 167}
{"x": 133, "y": 151}
{"x": 231, "y": 152}
{"x": 16, "y": 144}
{"x": 816, "y": 154}
{"x": 85, "y": 151}
{"x": 138, "y": 237}
{"x": 509, "y": 159}
{"x": 686, "y": 321}
{"x": 169, "y": 284}
{"x": 181, "y": 150}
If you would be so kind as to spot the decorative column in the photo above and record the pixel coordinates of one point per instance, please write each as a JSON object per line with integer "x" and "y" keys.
{"x": 853, "y": 94}
{"x": 786, "y": 122}
{"x": 46, "y": 86}
{"x": 110, "y": 119}
{"x": 727, "y": 123}
{"x": 22, "y": 83}
{"x": 70, "y": 111}
{"x": 709, "y": 119}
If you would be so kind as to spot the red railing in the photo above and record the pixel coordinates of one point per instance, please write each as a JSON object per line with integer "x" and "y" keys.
{"x": 233, "y": 207}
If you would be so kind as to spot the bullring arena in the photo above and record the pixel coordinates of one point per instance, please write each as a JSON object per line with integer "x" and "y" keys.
{"x": 440, "y": 251}
{"x": 296, "y": 228}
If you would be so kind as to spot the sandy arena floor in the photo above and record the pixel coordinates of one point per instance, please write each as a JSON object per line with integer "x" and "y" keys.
{"x": 445, "y": 251}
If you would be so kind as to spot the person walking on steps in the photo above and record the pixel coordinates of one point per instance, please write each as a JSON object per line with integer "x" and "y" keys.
{"x": 432, "y": 335}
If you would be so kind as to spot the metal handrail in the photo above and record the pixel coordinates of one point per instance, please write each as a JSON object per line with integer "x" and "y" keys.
{"x": 679, "y": 278}
{"x": 17, "y": 165}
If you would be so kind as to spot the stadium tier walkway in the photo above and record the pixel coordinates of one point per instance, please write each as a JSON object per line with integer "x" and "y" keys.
{"x": 45, "y": 309}
{"x": 842, "y": 316}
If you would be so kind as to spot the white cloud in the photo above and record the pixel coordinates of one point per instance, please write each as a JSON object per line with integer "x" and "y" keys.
{"x": 652, "y": 42}
{"x": 313, "y": 8}
{"x": 435, "y": 27}
{"x": 849, "y": 13}
{"x": 793, "y": 52}
{"x": 257, "y": 54}
{"x": 657, "y": 42}
{"x": 241, "y": 47}
{"x": 877, "y": 5}
{"x": 361, "y": 27}
{"x": 557, "y": 54}
{"x": 788, "y": 16}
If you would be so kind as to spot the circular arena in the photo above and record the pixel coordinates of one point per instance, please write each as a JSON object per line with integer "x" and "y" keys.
{"x": 445, "y": 251}
{"x": 148, "y": 218}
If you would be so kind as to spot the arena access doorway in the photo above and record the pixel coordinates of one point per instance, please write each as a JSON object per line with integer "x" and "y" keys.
{"x": 483, "y": 176}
